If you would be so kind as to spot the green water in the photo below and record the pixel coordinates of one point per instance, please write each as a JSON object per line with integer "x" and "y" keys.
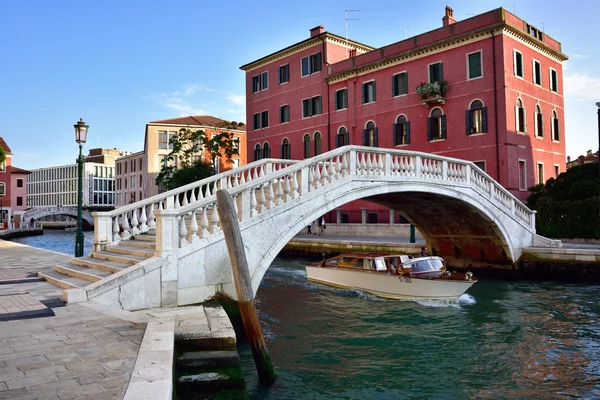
{"x": 501, "y": 340}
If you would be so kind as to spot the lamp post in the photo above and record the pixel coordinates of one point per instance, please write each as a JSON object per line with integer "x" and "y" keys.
{"x": 80, "y": 135}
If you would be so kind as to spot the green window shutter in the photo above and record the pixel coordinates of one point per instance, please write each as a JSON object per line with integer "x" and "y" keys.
{"x": 441, "y": 72}
{"x": 364, "y": 93}
{"x": 431, "y": 73}
{"x": 429, "y": 132}
{"x": 374, "y": 91}
{"x": 542, "y": 123}
{"x": 394, "y": 85}
{"x": 375, "y": 139}
{"x": 337, "y": 141}
{"x": 395, "y": 138}
{"x": 365, "y": 143}
{"x": 407, "y": 131}
{"x": 468, "y": 122}
{"x": 484, "y": 125}
{"x": 443, "y": 126}
{"x": 337, "y": 100}
{"x": 405, "y": 83}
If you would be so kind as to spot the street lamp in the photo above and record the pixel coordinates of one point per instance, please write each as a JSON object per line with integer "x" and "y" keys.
{"x": 80, "y": 135}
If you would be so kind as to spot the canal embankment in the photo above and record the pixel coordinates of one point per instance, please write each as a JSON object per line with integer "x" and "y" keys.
{"x": 20, "y": 232}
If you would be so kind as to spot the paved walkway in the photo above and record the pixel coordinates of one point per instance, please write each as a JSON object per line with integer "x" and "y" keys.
{"x": 79, "y": 353}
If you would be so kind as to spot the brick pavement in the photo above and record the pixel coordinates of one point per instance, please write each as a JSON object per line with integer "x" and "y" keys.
{"x": 79, "y": 353}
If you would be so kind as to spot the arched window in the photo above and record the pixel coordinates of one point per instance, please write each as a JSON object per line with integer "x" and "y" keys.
{"x": 257, "y": 152}
{"x": 317, "y": 143}
{"x": 306, "y": 141}
{"x": 285, "y": 150}
{"x": 539, "y": 122}
{"x": 436, "y": 125}
{"x": 370, "y": 135}
{"x": 555, "y": 127}
{"x": 266, "y": 150}
{"x": 401, "y": 131}
{"x": 476, "y": 118}
{"x": 520, "y": 121}
{"x": 342, "y": 137}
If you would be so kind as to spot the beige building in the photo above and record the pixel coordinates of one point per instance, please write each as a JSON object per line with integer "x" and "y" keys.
{"x": 104, "y": 156}
{"x": 136, "y": 173}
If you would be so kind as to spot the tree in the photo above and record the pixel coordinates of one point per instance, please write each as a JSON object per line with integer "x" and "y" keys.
{"x": 194, "y": 155}
{"x": 2, "y": 155}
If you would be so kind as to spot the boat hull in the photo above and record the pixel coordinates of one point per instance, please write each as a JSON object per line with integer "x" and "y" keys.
{"x": 400, "y": 287}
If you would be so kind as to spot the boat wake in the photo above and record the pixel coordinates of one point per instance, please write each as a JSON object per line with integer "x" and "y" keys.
{"x": 465, "y": 299}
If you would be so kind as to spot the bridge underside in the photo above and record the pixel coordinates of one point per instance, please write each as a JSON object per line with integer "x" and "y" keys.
{"x": 453, "y": 229}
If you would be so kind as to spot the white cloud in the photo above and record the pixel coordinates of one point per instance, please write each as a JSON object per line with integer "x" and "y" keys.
{"x": 237, "y": 99}
{"x": 188, "y": 90}
{"x": 581, "y": 87}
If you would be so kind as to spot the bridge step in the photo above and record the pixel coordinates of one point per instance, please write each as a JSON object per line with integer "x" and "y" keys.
{"x": 85, "y": 273}
{"x": 100, "y": 265}
{"x": 146, "y": 237}
{"x": 63, "y": 281}
{"x": 118, "y": 257}
{"x": 131, "y": 250}
{"x": 143, "y": 244}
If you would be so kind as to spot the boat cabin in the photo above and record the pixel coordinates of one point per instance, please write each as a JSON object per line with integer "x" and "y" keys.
{"x": 390, "y": 263}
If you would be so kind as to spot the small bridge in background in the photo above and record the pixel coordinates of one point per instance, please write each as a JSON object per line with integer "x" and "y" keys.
{"x": 462, "y": 213}
{"x": 37, "y": 213}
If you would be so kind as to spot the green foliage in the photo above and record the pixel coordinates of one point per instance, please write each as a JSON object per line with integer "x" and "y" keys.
{"x": 568, "y": 206}
{"x": 196, "y": 153}
{"x": 2, "y": 155}
{"x": 432, "y": 89}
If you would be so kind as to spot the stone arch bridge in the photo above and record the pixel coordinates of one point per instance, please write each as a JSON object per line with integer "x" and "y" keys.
{"x": 41, "y": 212}
{"x": 462, "y": 212}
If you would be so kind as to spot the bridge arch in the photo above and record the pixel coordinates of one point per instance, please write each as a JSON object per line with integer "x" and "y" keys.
{"x": 41, "y": 212}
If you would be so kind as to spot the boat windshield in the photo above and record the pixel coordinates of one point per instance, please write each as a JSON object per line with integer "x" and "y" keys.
{"x": 428, "y": 265}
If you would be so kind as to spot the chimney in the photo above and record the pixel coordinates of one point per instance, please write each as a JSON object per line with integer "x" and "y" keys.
{"x": 568, "y": 159}
{"x": 449, "y": 17}
{"x": 316, "y": 31}
{"x": 589, "y": 152}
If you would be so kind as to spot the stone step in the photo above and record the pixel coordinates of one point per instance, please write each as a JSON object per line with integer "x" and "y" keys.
{"x": 63, "y": 281}
{"x": 142, "y": 244}
{"x": 195, "y": 360}
{"x": 131, "y": 250}
{"x": 146, "y": 237}
{"x": 85, "y": 273}
{"x": 118, "y": 257}
{"x": 100, "y": 265}
{"x": 208, "y": 382}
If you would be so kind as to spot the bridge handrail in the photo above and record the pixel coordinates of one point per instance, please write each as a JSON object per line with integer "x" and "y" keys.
{"x": 294, "y": 180}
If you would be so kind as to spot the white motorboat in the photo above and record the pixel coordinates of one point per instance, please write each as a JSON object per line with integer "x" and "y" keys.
{"x": 392, "y": 276}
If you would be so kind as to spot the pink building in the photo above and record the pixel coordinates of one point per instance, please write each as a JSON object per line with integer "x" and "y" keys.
{"x": 18, "y": 196}
{"x": 487, "y": 89}
{"x": 5, "y": 187}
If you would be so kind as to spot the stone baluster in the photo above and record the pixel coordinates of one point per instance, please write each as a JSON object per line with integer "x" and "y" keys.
{"x": 182, "y": 232}
{"x": 331, "y": 170}
{"x": 242, "y": 177}
{"x": 143, "y": 220}
{"x": 151, "y": 217}
{"x": 270, "y": 196}
{"x": 125, "y": 225}
{"x": 338, "y": 167}
{"x": 214, "y": 220}
{"x": 295, "y": 186}
{"x": 193, "y": 195}
{"x": 380, "y": 164}
{"x": 184, "y": 202}
{"x": 286, "y": 188}
{"x": 134, "y": 223}
{"x": 204, "y": 224}
{"x": 115, "y": 229}
{"x": 260, "y": 198}
{"x": 194, "y": 227}
{"x": 253, "y": 210}
{"x": 310, "y": 178}
{"x": 324, "y": 174}
{"x": 279, "y": 192}
{"x": 176, "y": 202}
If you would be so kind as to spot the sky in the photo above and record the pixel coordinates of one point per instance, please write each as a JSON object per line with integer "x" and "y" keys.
{"x": 121, "y": 64}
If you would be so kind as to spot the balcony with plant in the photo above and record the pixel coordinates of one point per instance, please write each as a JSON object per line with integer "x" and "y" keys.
{"x": 432, "y": 92}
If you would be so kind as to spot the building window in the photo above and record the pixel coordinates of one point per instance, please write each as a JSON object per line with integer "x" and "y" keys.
{"x": 539, "y": 122}
{"x": 400, "y": 84}
{"x": 311, "y": 107}
{"x": 2, "y": 189}
{"x": 284, "y": 114}
{"x": 266, "y": 150}
{"x": 520, "y": 121}
{"x": 474, "y": 65}
{"x": 317, "y": 143}
{"x": 401, "y": 131}
{"x": 480, "y": 165}
{"x": 260, "y": 82}
{"x": 540, "y": 173}
{"x": 372, "y": 218}
{"x": 261, "y": 120}
{"x": 286, "y": 151}
{"x": 311, "y": 64}
{"x": 306, "y": 142}
{"x": 522, "y": 175}
{"x": 3, "y": 166}
{"x": 342, "y": 137}
{"x": 435, "y": 72}
{"x": 341, "y": 99}
{"x": 284, "y": 73}
{"x": 19, "y": 183}
{"x": 257, "y": 152}
{"x": 556, "y": 171}
{"x": 370, "y": 135}
{"x": 553, "y": 80}
{"x": 518, "y": 63}
{"x": 436, "y": 125}
{"x": 140, "y": 168}
{"x": 235, "y": 144}
{"x": 163, "y": 143}
{"x": 476, "y": 118}
{"x": 555, "y": 127}
{"x": 369, "y": 94}
{"x": 537, "y": 72}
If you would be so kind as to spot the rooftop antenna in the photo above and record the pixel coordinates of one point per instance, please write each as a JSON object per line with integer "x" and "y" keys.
{"x": 349, "y": 19}
{"x": 406, "y": 32}
{"x": 514, "y": 10}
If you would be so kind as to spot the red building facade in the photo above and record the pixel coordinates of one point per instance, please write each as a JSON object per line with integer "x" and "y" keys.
{"x": 488, "y": 89}
{"x": 5, "y": 187}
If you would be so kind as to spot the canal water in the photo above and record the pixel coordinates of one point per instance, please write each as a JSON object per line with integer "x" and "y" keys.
{"x": 501, "y": 340}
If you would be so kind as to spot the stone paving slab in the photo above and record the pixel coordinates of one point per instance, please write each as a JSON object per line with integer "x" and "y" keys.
{"x": 12, "y": 274}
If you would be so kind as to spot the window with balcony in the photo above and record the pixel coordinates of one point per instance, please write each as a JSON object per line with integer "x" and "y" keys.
{"x": 370, "y": 135}
{"x": 476, "y": 118}
{"x": 401, "y": 131}
{"x": 436, "y": 125}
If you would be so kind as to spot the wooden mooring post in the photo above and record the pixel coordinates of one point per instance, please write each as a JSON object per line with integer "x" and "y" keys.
{"x": 243, "y": 287}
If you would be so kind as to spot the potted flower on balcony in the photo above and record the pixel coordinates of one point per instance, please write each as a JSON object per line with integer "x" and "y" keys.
{"x": 432, "y": 92}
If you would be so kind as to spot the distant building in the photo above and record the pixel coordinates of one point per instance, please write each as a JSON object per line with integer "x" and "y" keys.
{"x": 136, "y": 173}
{"x": 588, "y": 158}
{"x": 18, "y": 197}
{"x": 487, "y": 89}
{"x": 104, "y": 156}
{"x": 5, "y": 187}
{"x": 57, "y": 186}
